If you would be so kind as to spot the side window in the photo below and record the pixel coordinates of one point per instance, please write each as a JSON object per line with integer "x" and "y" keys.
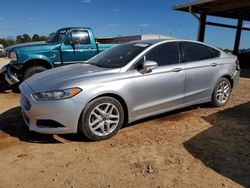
{"x": 165, "y": 54}
{"x": 213, "y": 52}
{"x": 82, "y": 37}
{"x": 195, "y": 51}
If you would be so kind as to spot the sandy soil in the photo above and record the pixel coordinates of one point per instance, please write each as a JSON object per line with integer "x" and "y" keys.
{"x": 194, "y": 147}
{"x": 4, "y": 61}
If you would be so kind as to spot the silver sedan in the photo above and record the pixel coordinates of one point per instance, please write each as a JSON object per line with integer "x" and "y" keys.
{"x": 125, "y": 83}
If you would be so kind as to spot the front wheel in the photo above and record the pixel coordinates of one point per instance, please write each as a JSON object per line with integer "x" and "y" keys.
{"x": 101, "y": 118}
{"x": 221, "y": 92}
{"x": 32, "y": 71}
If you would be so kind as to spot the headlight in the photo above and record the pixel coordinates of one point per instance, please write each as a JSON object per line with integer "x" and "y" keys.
{"x": 13, "y": 56}
{"x": 56, "y": 95}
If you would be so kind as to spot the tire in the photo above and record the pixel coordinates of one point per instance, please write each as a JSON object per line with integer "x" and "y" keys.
{"x": 101, "y": 118}
{"x": 221, "y": 93}
{"x": 32, "y": 71}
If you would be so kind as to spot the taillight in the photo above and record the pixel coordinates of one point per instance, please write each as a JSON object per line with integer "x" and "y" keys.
{"x": 237, "y": 62}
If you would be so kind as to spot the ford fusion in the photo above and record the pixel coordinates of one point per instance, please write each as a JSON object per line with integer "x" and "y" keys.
{"x": 125, "y": 83}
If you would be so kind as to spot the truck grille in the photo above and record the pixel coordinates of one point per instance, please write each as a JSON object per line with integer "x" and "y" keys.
{"x": 26, "y": 103}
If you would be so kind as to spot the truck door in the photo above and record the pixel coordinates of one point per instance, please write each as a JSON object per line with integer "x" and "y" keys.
{"x": 77, "y": 47}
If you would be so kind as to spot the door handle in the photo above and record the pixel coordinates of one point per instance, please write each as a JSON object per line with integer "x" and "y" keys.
{"x": 214, "y": 64}
{"x": 176, "y": 69}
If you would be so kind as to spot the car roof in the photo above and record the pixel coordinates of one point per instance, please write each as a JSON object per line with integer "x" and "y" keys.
{"x": 160, "y": 41}
{"x": 155, "y": 41}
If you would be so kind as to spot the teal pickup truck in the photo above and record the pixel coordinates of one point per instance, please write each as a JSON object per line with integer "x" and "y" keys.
{"x": 68, "y": 45}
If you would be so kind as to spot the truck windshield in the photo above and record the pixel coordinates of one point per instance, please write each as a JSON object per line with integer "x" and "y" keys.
{"x": 118, "y": 56}
{"x": 58, "y": 36}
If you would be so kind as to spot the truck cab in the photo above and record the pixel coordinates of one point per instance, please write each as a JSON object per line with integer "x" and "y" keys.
{"x": 66, "y": 46}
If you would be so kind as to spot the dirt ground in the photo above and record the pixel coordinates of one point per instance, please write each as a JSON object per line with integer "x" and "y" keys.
{"x": 198, "y": 146}
{"x": 3, "y": 61}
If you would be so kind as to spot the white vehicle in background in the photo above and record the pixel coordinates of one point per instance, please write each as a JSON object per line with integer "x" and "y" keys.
{"x": 2, "y": 51}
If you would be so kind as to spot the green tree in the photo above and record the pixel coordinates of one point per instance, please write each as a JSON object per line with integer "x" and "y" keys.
{"x": 7, "y": 42}
{"x": 3, "y": 42}
{"x": 43, "y": 38}
{"x": 26, "y": 38}
{"x": 19, "y": 39}
{"x": 35, "y": 37}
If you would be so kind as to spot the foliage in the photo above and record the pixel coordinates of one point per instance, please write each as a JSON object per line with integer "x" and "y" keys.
{"x": 7, "y": 42}
{"x": 22, "y": 39}
{"x": 227, "y": 50}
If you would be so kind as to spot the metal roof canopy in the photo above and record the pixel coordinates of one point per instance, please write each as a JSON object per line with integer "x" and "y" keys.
{"x": 234, "y": 9}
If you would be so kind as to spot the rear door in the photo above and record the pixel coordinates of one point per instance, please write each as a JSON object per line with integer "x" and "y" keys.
{"x": 201, "y": 68}
{"x": 163, "y": 88}
{"x": 74, "y": 53}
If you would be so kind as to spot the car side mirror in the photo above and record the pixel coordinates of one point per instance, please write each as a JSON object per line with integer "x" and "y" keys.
{"x": 148, "y": 66}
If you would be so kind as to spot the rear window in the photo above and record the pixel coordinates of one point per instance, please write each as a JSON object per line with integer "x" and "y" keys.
{"x": 213, "y": 52}
{"x": 195, "y": 51}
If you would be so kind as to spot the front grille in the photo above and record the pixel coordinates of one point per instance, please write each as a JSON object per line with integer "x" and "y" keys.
{"x": 26, "y": 103}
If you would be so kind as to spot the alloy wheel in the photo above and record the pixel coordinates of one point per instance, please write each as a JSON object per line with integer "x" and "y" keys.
{"x": 104, "y": 119}
{"x": 223, "y": 92}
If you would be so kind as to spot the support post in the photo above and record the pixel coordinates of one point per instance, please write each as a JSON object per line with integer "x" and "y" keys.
{"x": 238, "y": 36}
{"x": 202, "y": 27}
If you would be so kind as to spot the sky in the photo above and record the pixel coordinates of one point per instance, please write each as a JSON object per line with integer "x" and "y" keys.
{"x": 111, "y": 18}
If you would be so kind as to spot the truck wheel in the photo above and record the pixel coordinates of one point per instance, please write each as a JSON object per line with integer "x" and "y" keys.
{"x": 101, "y": 118}
{"x": 32, "y": 71}
{"x": 221, "y": 92}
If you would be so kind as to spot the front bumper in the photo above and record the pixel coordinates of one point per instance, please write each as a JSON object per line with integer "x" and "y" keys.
{"x": 10, "y": 77}
{"x": 64, "y": 112}
{"x": 236, "y": 78}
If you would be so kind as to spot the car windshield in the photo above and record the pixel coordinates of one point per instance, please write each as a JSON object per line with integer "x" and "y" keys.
{"x": 118, "y": 56}
{"x": 58, "y": 36}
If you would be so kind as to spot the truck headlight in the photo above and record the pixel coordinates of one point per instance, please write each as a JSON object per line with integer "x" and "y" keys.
{"x": 56, "y": 95}
{"x": 13, "y": 56}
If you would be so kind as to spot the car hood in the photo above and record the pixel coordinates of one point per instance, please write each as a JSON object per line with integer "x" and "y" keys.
{"x": 66, "y": 76}
{"x": 41, "y": 45}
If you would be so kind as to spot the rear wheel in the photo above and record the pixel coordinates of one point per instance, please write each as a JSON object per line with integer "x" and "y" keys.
{"x": 221, "y": 92}
{"x": 101, "y": 118}
{"x": 32, "y": 71}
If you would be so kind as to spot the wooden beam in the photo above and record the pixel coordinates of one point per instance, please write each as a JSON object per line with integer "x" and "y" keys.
{"x": 237, "y": 37}
{"x": 226, "y": 26}
{"x": 202, "y": 27}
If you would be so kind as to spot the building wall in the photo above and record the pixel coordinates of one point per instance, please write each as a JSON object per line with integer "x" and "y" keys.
{"x": 119, "y": 40}
{"x": 148, "y": 37}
